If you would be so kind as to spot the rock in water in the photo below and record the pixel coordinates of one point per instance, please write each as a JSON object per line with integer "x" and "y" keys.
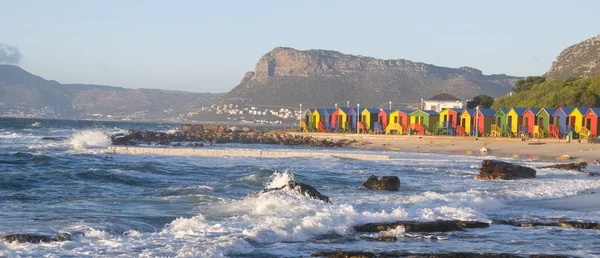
{"x": 301, "y": 187}
{"x": 570, "y": 166}
{"x": 493, "y": 169}
{"x": 411, "y": 226}
{"x": 32, "y": 238}
{"x": 388, "y": 183}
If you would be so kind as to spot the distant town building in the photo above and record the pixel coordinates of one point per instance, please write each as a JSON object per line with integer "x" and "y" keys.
{"x": 442, "y": 101}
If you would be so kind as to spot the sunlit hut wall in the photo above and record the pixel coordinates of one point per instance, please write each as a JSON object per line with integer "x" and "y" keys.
{"x": 426, "y": 118}
{"x": 561, "y": 118}
{"x": 514, "y": 118}
{"x": 592, "y": 122}
{"x": 483, "y": 119}
{"x": 449, "y": 117}
{"x": 465, "y": 119}
{"x": 369, "y": 117}
{"x": 544, "y": 119}
{"x": 529, "y": 119}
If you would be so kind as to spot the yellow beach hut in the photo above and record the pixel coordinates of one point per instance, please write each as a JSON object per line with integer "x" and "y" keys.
{"x": 369, "y": 117}
{"x": 576, "y": 120}
{"x": 316, "y": 120}
{"x": 514, "y": 119}
{"x": 465, "y": 120}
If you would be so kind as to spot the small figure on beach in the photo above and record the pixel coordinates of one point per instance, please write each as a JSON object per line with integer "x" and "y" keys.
{"x": 596, "y": 162}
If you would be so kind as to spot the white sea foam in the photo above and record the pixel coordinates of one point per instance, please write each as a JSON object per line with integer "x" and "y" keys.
{"x": 280, "y": 179}
{"x": 90, "y": 138}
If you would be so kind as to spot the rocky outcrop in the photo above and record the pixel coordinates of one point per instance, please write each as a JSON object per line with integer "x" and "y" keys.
{"x": 358, "y": 254}
{"x": 569, "y": 166}
{"x": 493, "y": 169}
{"x": 304, "y": 189}
{"x": 592, "y": 173}
{"x": 565, "y": 223}
{"x": 414, "y": 226}
{"x": 322, "y": 77}
{"x": 579, "y": 60}
{"x": 388, "y": 183}
{"x": 195, "y": 135}
{"x": 33, "y": 238}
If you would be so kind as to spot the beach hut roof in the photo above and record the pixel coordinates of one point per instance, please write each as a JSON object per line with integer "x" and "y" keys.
{"x": 470, "y": 111}
{"x": 457, "y": 110}
{"x": 445, "y": 97}
{"x": 566, "y": 110}
{"x": 373, "y": 110}
{"x": 429, "y": 112}
{"x": 330, "y": 110}
{"x": 345, "y": 110}
{"x": 596, "y": 111}
{"x": 550, "y": 111}
{"x": 583, "y": 110}
{"x": 487, "y": 112}
{"x": 520, "y": 111}
{"x": 387, "y": 111}
{"x": 503, "y": 110}
{"x": 535, "y": 110}
{"x": 406, "y": 111}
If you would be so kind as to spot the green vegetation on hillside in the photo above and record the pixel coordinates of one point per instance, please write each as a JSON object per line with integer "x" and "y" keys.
{"x": 483, "y": 101}
{"x": 535, "y": 92}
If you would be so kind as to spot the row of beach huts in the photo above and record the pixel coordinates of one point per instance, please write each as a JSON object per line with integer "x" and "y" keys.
{"x": 576, "y": 122}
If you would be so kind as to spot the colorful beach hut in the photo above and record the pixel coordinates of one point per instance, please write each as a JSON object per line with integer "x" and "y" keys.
{"x": 514, "y": 118}
{"x": 338, "y": 120}
{"x": 591, "y": 121}
{"x": 325, "y": 117}
{"x": 561, "y": 119}
{"x": 350, "y": 118}
{"x": 449, "y": 117}
{"x": 465, "y": 121}
{"x": 308, "y": 119}
{"x": 529, "y": 121}
{"x": 316, "y": 120}
{"x": 576, "y": 118}
{"x": 483, "y": 120}
{"x": 545, "y": 124}
{"x": 499, "y": 128}
{"x": 382, "y": 118}
{"x": 369, "y": 117}
{"x": 423, "y": 120}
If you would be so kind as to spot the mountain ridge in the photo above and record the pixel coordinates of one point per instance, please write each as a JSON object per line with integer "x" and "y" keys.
{"x": 579, "y": 60}
{"x": 286, "y": 76}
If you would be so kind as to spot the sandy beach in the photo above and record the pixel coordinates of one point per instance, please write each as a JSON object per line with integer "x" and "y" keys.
{"x": 543, "y": 149}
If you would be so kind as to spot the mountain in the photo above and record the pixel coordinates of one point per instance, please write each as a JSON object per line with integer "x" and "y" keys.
{"x": 316, "y": 78}
{"x": 19, "y": 88}
{"x": 579, "y": 60}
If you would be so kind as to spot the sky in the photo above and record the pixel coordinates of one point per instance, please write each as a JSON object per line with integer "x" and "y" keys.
{"x": 207, "y": 46}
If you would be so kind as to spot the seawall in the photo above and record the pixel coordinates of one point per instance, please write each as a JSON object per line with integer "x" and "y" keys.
{"x": 239, "y": 153}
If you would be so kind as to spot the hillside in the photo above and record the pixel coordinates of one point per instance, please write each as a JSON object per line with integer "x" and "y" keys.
{"x": 286, "y": 77}
{"x": 579, "y": 60}
{"x": 19, "y": 88}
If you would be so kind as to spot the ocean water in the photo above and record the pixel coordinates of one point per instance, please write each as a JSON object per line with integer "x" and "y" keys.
{"x": 122, "y": 205}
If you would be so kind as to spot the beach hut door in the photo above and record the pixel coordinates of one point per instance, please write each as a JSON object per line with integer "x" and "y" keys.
{"x": 464, "y": 122}
{"x": 498, "y": 121}
{"x": 588, "y": 123}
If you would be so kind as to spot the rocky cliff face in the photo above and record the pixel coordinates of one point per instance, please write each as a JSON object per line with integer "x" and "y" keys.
{"x": 579, "y": 60}
{"x": 286, "y": 77}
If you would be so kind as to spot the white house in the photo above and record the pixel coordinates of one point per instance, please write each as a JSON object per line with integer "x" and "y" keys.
{"x": 442, "y": 101}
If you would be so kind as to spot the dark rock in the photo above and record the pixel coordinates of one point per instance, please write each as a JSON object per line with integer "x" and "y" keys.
{"x": 411, "y": 226}
{"x": 577, "y": 224}
{"x": 388, "y": 183}
{"x": 344, "y": 254}
{"x": 592, "y": 173}
{"x": 569, "y": 166}
{"x": 304, "y": 189}
{"x": 33, "y": 238}
{"x": 472, "y": 224}
{"x": 341, "y": 254}
{"x": 493, "y": 169}
{"x": 387, "y": 238}
{"x": 49, "y": 138}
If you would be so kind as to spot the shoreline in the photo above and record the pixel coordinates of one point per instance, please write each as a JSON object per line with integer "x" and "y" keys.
{"x": 540, "y": 149}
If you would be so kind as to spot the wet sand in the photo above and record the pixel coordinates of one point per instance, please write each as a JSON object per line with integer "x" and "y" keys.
{"x": 542, "y": 149}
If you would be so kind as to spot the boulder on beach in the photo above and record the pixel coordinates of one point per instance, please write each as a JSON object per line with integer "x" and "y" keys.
{"x": 388, "y": 183}
{"x": 494, "y": 169}
{"x": 304, "y": 189}
{"x": 564, "y": 157}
